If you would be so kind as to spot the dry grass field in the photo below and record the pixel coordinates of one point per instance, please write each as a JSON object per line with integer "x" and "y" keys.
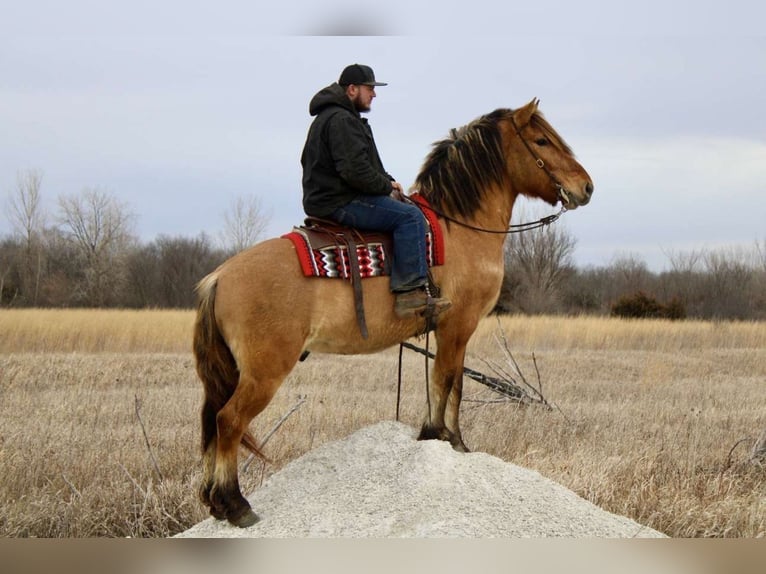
{"x": 655, "y": 420}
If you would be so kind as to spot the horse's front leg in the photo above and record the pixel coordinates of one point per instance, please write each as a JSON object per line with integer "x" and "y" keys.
{"x": 452, "y": 413}
{"x": 445, "y": 391}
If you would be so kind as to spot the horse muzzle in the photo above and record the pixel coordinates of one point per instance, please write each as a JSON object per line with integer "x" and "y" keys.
{"x": 572, "y": 200}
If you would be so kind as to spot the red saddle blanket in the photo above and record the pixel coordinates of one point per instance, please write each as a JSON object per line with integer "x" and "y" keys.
{"x": 323, "y": 247}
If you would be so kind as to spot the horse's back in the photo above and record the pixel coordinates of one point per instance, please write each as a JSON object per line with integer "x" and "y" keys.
{"x": 262, "y": 294}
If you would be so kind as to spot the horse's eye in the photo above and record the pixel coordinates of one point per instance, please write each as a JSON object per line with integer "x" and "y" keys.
{"x": 541, "y": 141}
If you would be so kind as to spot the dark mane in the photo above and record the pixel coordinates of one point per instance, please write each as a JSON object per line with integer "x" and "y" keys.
{"x": 462, "y": 166}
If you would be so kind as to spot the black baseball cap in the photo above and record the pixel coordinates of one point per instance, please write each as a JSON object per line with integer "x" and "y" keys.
{"x": 359, "y": 75}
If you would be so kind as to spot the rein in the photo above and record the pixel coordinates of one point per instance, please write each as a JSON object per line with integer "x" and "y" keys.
{"x": 516, "y": 228}
{"x": 402, "y": 345}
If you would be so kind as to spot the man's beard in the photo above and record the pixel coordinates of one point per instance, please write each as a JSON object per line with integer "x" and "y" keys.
{"x": 359, "y": 105}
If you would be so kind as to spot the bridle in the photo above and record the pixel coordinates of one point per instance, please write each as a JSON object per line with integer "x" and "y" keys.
{"x": 517, "y": 228}
{"x": 541, "y": 164}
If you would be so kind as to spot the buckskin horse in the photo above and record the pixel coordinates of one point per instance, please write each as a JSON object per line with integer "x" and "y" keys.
{"x": 257, "y": 313}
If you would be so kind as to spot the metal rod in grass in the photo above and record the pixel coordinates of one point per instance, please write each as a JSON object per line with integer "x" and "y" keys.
{"x": 506, "y": 388}
{"x": 279, "y": 423}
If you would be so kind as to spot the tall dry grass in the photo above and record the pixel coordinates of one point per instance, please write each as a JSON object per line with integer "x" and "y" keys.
{"x": 95, "y": 331}
{"x": 656, "y": 419}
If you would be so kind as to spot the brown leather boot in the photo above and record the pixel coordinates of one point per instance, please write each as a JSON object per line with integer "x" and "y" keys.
{"x": 419, "y": 302}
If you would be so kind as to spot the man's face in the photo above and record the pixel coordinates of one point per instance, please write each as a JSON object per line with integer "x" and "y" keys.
{"x": 361, "y": 97}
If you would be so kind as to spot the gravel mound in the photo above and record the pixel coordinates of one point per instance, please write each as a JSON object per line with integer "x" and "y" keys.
{"x": 381, "y": 482}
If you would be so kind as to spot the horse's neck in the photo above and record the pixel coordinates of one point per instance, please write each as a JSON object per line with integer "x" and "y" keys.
{"x": 496, "y": 209}
{"x": 494, "y": 217}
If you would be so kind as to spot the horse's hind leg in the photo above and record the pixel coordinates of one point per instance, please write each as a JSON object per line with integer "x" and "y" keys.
{"x": 209, "y": 443}
{"x": 251, "y": 396}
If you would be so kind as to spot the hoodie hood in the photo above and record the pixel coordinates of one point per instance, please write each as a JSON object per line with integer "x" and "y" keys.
{"x": 332, "y": 95}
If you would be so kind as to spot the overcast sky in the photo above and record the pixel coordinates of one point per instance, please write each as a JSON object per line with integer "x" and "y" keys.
{"x": 180, "y": 107}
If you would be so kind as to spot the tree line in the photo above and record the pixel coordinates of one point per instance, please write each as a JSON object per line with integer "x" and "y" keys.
{"x": 86, "y": 255}
{"x": 713, "y": 284}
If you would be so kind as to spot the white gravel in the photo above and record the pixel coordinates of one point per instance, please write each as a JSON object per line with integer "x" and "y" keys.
{"x": 381, "y": 482}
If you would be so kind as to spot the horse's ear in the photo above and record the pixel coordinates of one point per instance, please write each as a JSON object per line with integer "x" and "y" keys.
{"x": 523, "y": 115}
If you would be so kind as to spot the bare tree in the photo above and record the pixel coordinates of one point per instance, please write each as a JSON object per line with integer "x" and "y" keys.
{"x": 728, "y": 281}
{"x": 25, "y": 211}
{"x": 631, "y": 273}
{"x": 164, "y": 272}
{"x": 759, "y": 279}
{"x": 684, "y": 262}
{"x": 8, "y": 256}
{"x": 244, "y": 223}
{"x": 760, "y": 255}
{"x": 100, "y": 227}
{"x": 537, "y": 262}
{"x": 683, "y": 279}
{"x": 26, "y": 216}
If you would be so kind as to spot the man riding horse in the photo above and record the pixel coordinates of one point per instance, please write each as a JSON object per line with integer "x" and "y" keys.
{"x": 344, "y": 181}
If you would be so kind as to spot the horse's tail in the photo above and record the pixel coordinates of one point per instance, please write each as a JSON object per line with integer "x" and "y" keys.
{"x": 216, "y": 366}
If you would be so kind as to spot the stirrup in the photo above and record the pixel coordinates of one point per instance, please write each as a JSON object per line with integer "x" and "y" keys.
{"x": 435, "y": 306}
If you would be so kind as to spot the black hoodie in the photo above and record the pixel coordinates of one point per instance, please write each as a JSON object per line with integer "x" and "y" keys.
{"x": 340, "y": 160}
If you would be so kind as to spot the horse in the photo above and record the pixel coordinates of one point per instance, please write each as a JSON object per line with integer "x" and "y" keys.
{"x": 257, "y": 314}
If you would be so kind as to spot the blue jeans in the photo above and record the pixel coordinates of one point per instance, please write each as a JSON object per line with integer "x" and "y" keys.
{"x": 407, "y": 225}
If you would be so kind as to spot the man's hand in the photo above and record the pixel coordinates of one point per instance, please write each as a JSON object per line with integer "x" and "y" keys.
{"x": 397, "y": 191}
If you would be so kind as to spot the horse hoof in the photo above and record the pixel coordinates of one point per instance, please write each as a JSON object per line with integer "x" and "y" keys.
{"x": 247, "y": 518}
{"x": 435, "y": 433}
{"x": 431, "y": 433}
{"x": 460, "y": 446}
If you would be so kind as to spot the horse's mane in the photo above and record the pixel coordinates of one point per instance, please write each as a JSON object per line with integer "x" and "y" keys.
{"x": 461, "y": 167}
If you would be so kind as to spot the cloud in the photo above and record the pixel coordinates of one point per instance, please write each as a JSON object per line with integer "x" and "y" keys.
{"x": 671, "y": 128}
{"x": 679, "y": 170}
{"x": 670, "y": 193}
